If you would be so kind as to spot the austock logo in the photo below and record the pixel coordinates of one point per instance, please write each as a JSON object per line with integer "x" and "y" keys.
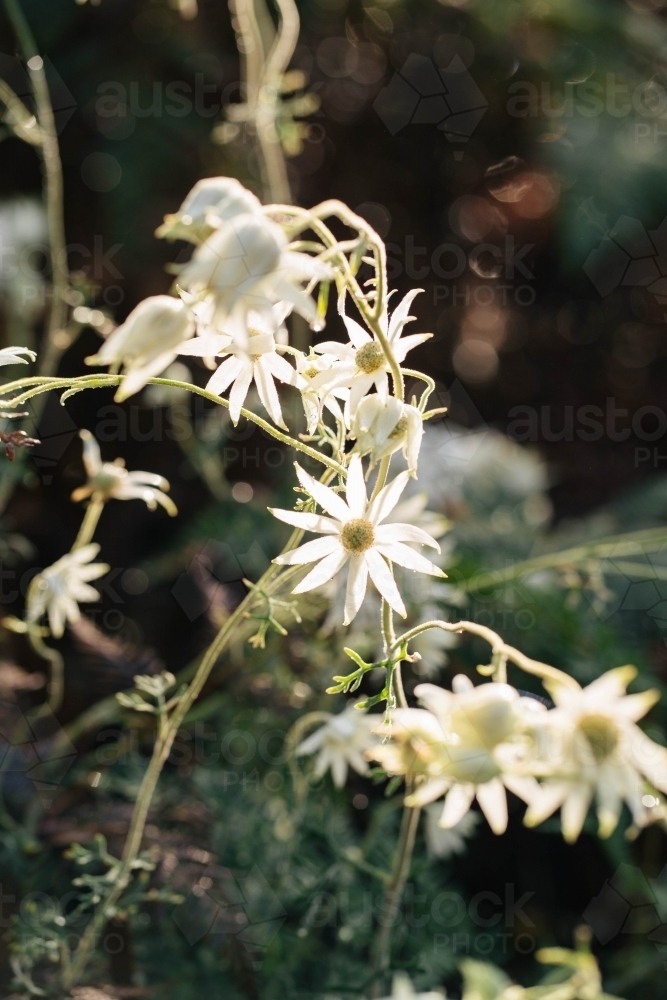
{"x": 224, "y": 905}
{"x": 420, "y": 93}
{"x": 630, "y": 903}
{"x": 629, "y": 256}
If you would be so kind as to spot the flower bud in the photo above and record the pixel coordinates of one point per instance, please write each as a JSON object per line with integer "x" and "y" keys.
{"x": 211, "y": 201}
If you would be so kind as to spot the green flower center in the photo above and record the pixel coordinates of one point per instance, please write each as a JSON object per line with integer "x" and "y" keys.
{"x": 369, "y": 358}
{"x": 357, "y": 536}
{"x": 310, "y": 373}
{"x": 400, "y": 428}
{"x": 601, "y": 734}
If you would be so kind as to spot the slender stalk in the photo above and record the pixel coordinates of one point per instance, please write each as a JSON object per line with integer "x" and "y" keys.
{"x": 56, "y": 685}
{"x": 53, "y": 187}
{"x": 402, "y": 860}
{"x": 89, "y": 524}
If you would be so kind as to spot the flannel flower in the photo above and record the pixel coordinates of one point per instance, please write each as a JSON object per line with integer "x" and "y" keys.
{"x": 212, "y": 201}
{"x": 362, "y": 363}
{"x": 341, "y": 743}
{"x": 355, "y": 533}
{"x": 244, "y": 267}
{"x": 12, "y": 355}
{"x": 112, "y": 481}
{"x": 146, "y": 343}
{"x": 308, "y": 367}
{"x": 592, "y": 748}
{"x": 382, "y": 426}
{"x": 461, "y": 746}
{"x": 57, "y": 590}
{"x": 256, "y": 359}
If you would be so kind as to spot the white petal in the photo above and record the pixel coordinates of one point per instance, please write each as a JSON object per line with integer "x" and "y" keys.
{"x": 309, "y": 522}
{"x": 356, "y": 488}
{"x": 406, "y": 344}
{"x": 405, "y": 533}
{"x": 357, "y": 580}
{"x": 356, "y": 333}
{"x": 573, "y": 811}
{"x": 326, "y": 498}
{"x": 383, "y": 579}
{"x": 323, "y": 572}
{"x": 458, "y": 802}
{"x": 399, "y": 317}
{"x": 317, "y": 549}
{"x": 551, "y": 796}
{"x": 401, "y": 554}
{"x": 493, "y": 803}
{"x": 280, "y": 368}
{"x": 206, "y": 347}
{"x": 428, "y": 792}
{"x": 387, "y": 498}
{"x": 223, "y": 377}
{"x": 268, "y": 393}
{"x": 239, "y": 391}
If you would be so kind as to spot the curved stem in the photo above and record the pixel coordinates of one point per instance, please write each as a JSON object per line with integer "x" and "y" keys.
{"x": 89, "y": 524}
{"x": 56, "y": 686}
{"x": 500, "y": 650}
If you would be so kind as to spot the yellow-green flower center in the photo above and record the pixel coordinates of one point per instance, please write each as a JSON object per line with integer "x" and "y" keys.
{"x": 357, "y": 536}
{"x": 310, "y": 373}
{"x": 400, "y": 428}
{"x": 369, "y": 358}
{"x": 601, "y": 735}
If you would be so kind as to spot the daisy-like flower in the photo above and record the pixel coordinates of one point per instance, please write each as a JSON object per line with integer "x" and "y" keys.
{"x": 112, "y": 481}
{"x": 355, "y": 533}
{"x": 12, "y": 355}
{"x": 308, "y": 367}
{"x": 461, "y": 746}
{"x": 57, "y": 590}
{"x": 382, "y": 426}
{"x": 593, "y": 749}
{"x": 146, "y": 343}
{"x": 256, "y": 361}
{"x": 212, "y": 200}
{"x": 341, "y": 743}
{"x": 245, "y": 267}
{"x": 362, "y": 363}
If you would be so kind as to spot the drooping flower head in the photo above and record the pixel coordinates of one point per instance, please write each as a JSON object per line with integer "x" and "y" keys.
{"x": 380, "y": 427}
{"x": 211, "y": 201}
{"x": 112, "y": 481}
{"x": 146, "y": 343}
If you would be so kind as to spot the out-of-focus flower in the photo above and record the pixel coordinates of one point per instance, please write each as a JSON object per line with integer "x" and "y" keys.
{"x": 362, "y": 363}
{"x": 441, "y": 843}
{"x": 355, "y": 532}
{"x": 255, "y": 360}
{"x": 592, "y": 748}
{"x": 22, "y": 228}
{"x": 341, "y": 743}
{"x": 402, "y": 989}
{"x": 12, "y": 355}
{"x": 112, "y": 481}
{"x": 382, "y": 426}
{"x": 212, "y": 200}
{"x": 246, "y": 267}
{"x": 460, "y": 747}
{"x": 57, "y": 590}
{"x": 146, "y": 343}
{"x": 169, "y": 395}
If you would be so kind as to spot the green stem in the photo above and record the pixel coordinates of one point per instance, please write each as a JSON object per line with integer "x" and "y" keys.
{"x": 89, "y": 524}
{"x": 56, "y": 686}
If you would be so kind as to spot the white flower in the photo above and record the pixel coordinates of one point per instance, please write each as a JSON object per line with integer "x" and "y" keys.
{"x": 212, "y": 200}
{"x": 382, "y": 426}
{"x": 308, "y": 367}
{"x": 112, "y": 481}
{"x": 461, "y": 747}
{"x": 355, "y": 532}
{"x": 442, "y": 843}
{"x": 402, "y": 989}
{"x": 56, "y": 590}
{"x": 341, "y": 742}
{"x": 146, "y": 343}
{"x": 246, "y": 267}
{"x": 256, "y": 360}
{"x": 594, "y": 749}
{"x": 12, "y": 355}
{"x": 362, "y": 363}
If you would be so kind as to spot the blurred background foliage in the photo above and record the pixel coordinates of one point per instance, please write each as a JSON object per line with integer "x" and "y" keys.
{"x": 281, "y": 893}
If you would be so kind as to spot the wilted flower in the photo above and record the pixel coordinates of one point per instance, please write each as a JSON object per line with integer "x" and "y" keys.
{"x": 146, "y": 343}
{"x": 382, "y": 426}
{"x": 57, "y": 590}
{"x": 460, "y": 747}
{"x": 212, "y": 200}
{"x": 246, "y": 266}
{"x": 362, "y": 363}
{"x": 256, "y": 360}
{"x": 112, "y": 481}
{"x": 593, "y": 749}
{"x": 341, "y": 742}
{"x": 12, "y": 355}
{"x": 355, "y": 532}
